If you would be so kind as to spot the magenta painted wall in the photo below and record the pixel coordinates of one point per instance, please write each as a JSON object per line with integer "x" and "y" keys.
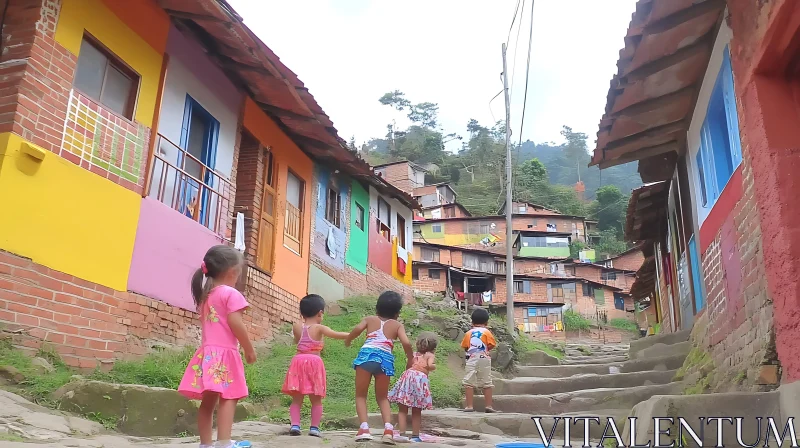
{"x": 168, "y": 249}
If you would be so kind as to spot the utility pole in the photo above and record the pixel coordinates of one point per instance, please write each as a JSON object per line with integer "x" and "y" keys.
{"x": 509, "y": 208}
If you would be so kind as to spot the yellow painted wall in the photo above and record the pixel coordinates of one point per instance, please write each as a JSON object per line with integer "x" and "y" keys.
{"x": 95, "y": 18}
{"x": 458, "y": 239}
{"x": 65, "y": 217}
{"x": 407, "y": 279}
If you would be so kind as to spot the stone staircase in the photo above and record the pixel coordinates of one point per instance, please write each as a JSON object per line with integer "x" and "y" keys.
{"x": 593, "y": 380}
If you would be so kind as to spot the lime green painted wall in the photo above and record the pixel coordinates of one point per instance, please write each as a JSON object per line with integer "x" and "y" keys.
{"x": 357, "y": 249}
{"x": 544, "y": 252}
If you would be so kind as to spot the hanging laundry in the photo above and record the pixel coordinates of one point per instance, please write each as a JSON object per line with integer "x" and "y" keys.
{"x": 401, "y": 265}
{"x": 239, "y": 244}
{"x": 487, "y": 296}
{"x": 331, "y": 243}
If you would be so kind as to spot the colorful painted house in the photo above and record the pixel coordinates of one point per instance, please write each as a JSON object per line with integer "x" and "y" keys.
{"x": 479, "y": 277}
{"x": 705, "y": 102}
{"x": 135, "y": 136}
{"x": 360, "y": 238}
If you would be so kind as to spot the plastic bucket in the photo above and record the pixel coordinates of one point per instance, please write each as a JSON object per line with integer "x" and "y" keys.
{"x": 521, "y": 445}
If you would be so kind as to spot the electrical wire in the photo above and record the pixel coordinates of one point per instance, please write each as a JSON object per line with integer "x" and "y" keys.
{"x": 527, "y": 73}
{"x": 513, "y": 20}
{"x": 516, "y": 46}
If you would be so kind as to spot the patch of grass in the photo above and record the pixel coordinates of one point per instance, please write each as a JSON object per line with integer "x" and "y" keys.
{"x": 694, "y": 359}
{"x": 163, "y": 368}
{"x": 108, "y": 422}
{"x": 264, "y": 378}
{"x": 526, "y": 344}
{"x": 621, "y": 323}
{"x": 8, "y": 437}
{"x": 36, "y": 386}
{"x": 740, "y": 377}
{"x": 657, "y": 328}
{"x": 585, "y": 350}
{"x": 574, "y": 321}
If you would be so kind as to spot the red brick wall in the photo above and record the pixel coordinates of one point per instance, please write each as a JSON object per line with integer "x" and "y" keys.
{"x": 538, "y": 292}
{"x": 37, "y": 74}
{"x": 250, "y": 191}
{"x": 426, "y": 283}
{"x": 593, "y": 273}
{"x": 762, "y": 51}
{"x": 531, "y": 267}
{"x": 399, "y": 176}
{"x": 89, "y": 324}
{"x": 631, "y": 261}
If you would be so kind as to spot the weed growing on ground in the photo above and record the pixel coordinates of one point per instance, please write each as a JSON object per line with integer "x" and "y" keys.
{"x": 525, "y": 344}
{"x": 36, "y": 386}
{"x": 108, "y": 422}
{"x": 165, "y": 368}
{"x": 621, "y": 323}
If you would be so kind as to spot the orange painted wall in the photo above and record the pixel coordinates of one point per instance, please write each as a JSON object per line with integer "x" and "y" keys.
{"x": 291, "y": 270}
{"x": 145, "y": 18}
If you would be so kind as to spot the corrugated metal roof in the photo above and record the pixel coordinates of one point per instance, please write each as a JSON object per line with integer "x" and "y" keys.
{"x": 276, "y": 89}
{"x": 652, "y": 96}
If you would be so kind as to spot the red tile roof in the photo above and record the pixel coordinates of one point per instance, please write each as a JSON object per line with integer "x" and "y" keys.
{"x": 275, "y": 88}
{"x": 651, "y": 98}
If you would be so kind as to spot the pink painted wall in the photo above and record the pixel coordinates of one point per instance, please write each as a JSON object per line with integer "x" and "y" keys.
{"x": 168, "y": 249}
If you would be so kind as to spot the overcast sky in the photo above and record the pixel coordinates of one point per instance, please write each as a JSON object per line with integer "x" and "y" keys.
{"x": 350, "y": 52}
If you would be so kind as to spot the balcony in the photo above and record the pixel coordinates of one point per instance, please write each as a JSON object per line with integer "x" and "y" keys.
{"x": 184, "y": 183}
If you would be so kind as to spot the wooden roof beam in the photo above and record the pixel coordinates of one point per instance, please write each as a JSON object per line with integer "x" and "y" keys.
{"x": 683, "y": 16}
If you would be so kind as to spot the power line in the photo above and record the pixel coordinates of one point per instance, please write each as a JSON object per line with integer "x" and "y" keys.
{"x": 527, "y": 73}
{"x": 516, "y": 46}
{"x": 513, "y": 20}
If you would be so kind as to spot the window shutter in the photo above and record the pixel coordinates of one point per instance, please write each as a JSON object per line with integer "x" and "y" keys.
{"x": 526, "y": 287}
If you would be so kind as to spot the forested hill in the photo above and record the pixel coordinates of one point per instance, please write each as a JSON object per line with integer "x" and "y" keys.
{"x": 562, "y": 171}
{"x": 544, "y": 174}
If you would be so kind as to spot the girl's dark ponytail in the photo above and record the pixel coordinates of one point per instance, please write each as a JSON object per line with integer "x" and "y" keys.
{"x": 197, "y": 288}
{"x": 218, "y": 260}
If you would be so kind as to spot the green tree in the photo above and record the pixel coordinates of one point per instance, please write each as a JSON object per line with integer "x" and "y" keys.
{"x": 532, "y": 171}
{"x": 610, "y": 209}
{"x": 609, "y": 244}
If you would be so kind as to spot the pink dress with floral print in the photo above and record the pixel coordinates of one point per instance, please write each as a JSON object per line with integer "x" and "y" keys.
{"x": 217, "y": 365}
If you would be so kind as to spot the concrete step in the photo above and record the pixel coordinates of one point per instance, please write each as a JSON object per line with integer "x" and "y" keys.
{"x": 599, "y": 347}
{"x": 664, "y": 338}
{"x": 573, "y": 360}
{"x": 579, "y": 401}
{"x": 659, "y": 350}
{"x": 750, "y": 406}
{"x": 548, "y": 386}
{"x": 633, "y": 365}
{"x": 505, "y": 424}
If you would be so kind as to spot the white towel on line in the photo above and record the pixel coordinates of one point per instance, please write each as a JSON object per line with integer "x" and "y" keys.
{"x": 239, "y": 243}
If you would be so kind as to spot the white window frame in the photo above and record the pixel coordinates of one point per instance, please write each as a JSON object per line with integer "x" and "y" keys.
{"x": 695, "y": 134}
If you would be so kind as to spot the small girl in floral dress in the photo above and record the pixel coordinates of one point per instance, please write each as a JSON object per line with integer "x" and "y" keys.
{"x": 413, "y": 390}
{"x": 215, "y": 374}
{"x": 306, "y": 375}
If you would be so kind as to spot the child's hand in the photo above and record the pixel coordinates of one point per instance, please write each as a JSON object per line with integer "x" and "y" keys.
{"x": 250, "y": 356}
{"x": 347, "y": 342}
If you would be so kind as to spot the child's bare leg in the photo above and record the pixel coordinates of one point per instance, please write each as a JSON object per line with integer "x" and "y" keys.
{"x": 416, "y": 421}
{"x": 363, "y": 378}
{"x": 205, "y": 417}
{"x": 487, "y": 397}
{"x": 468, "y": 395}
{"x": 381, "y": 395}
{"x": 225, "y": 419}
{"x": 401, "y": 418}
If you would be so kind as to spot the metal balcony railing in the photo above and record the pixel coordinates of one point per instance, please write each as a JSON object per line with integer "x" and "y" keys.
{"x": 184, "y": 183}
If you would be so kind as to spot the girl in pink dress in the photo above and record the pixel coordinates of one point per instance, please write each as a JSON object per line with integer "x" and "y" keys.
{"x": 306, "y": 375}
{"x": 215, "y": 374}
{"x": 413, "y": 389}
